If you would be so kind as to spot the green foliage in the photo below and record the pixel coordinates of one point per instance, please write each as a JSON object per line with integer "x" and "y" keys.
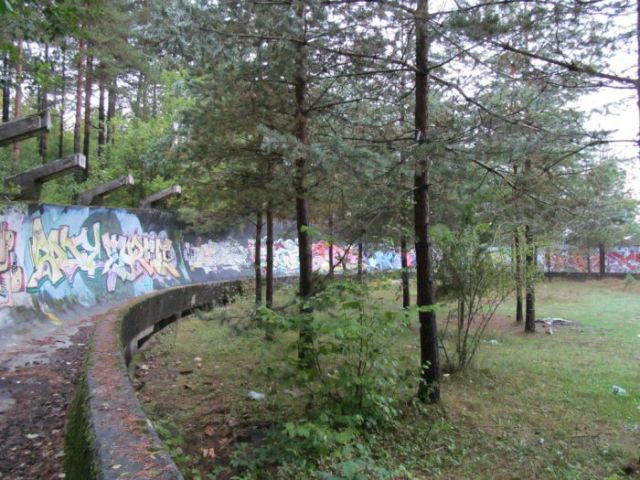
{"x": 477, "y": 279}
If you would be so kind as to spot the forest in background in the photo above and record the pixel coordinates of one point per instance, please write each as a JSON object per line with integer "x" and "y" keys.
{"x": 366, "y": 120}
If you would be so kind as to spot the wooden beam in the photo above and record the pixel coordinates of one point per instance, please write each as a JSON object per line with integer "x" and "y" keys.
{"x": 91, "y": 197}
{"x": 30, "y": 182}
{"x": 154, "y": 199}
{"x": 26, "y": 127}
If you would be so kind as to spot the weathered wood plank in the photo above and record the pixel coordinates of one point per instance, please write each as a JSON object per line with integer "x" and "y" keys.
{"x": 91, "y": 197}
{"x": 154, "y": 199}
{"x": 22, "y": 128}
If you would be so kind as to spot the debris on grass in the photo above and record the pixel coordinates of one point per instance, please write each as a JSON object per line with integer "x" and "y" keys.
{"x": 253, "y": 395}
{"x": 618, "y": 390}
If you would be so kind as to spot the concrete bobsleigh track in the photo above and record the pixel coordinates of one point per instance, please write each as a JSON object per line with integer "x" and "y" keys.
{"x": 80, "y": 288}
{"x": 78, "y": 279}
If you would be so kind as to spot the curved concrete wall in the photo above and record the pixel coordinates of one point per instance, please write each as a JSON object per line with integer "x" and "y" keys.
{"x": 123, "y": 443}
{"x": 57, "y": 261}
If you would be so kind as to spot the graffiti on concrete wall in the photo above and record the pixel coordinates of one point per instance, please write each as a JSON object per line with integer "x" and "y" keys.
{"x": 213, "y": 257}
{"x": 11, "y": 275}
{"x": 618, "y": 260}
{"x": 57, "y": 256}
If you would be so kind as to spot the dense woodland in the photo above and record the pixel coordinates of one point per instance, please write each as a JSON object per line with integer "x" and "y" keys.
{"x": 369, "y": 121}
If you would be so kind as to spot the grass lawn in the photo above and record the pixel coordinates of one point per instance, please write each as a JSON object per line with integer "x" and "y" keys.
{"x": 532, "y": 406}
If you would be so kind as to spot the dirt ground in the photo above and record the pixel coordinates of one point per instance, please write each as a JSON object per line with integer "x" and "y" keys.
{"x": 34, "y": 400}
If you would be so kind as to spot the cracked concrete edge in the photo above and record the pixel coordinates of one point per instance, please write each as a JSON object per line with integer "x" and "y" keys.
{"x": 124, "y": 442}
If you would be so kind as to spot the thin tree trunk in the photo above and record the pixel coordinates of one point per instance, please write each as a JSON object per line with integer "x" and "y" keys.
{"x": 101, "y": 111}
{"x": 87, "y": 115}
{"x": 302, "y": 214}
{"x": 638, "y": 65}
{"x": 518, "y": 272}
{"x": 360, "y": 254}
{"x": 17, "y": 110}
{"x": 63, "y": 93}
{"x": 603, "y": 259}
{"x": 257, "y": 262}
{"x": 269, "y": 334}
{"x": 331, "y": 264}
{"x": 44, "y": 136}
{"x": 404, "y": 263}
{"x": 429, "y": 388}
{"x": 6, "y": 91}
{"x": 269, "y": 299}
{"x": 77, "y": 128}
{"x": 111, "y": 111}
{"x": 588, "y": 259}
{"x": 530, "y": 259}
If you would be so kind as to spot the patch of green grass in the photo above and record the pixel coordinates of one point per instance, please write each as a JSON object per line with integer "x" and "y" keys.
{"x": 533, "y": 406}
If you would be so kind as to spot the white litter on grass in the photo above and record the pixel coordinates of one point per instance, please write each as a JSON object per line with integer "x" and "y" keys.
{"x": 32, "y": 436}
{"x": 256, "y": 395}
{"x": 493, "y": 341}
{"x": 617, "y": 390}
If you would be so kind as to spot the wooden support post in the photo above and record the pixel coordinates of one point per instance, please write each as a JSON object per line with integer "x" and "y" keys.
{"x": 154, "y": 199}
{"x": 31, "y": 181}
{"x": 26, "y": 127}
{"x": 91, "y": 197}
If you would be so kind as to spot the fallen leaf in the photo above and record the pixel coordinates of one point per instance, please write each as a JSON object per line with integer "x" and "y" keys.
{"x": 208, "y": 431}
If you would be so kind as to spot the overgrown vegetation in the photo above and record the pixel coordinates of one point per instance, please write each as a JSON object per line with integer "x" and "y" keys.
{"x": 528, "y": 406}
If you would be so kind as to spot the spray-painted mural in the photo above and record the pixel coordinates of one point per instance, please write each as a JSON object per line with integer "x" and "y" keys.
{"x": 569, "y": 259}
{"x": 53, "y": 256}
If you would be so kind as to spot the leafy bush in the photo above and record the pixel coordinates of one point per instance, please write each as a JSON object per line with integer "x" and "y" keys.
{"x": 477, "y": 280}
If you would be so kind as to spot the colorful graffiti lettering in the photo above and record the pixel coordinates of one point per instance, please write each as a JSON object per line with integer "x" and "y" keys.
{"x": 58, "y": 256}
{"x": 11, "y": 275}
{"x": 130, "y": 257}
{"x": 212, "y": 257}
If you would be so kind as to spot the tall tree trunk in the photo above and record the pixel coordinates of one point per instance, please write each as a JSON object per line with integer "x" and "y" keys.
{"x": 429, "y": 388}
{"x": 102, "y": 137}
{"x": 517, "y": 251}
{"x": 63, "y": 94}
{"x": 588, "y": 259}
{"x": 77, "y": 128}
{"x": 406, "y": 295}
{"x": 302, "y": 214}
{"x": 331, "y": 264}
{"x": 87, "y": 115}
{"x": 360, "y": 259}
{"x": 269, "y": 299}
{"x": 530, "y": 259}
{"x": 44, "y": 102}
{"x": 603, "y": 259}
{"x": 257, "y": 262}
{"x": 111, "y": 110}
{"x": 17, "y": 110}
{"x": 638, "y": 65}
{"x": 6, "y": 90}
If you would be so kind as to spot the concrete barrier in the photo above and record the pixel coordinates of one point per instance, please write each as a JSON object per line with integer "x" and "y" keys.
{"x": 109, "y": 436}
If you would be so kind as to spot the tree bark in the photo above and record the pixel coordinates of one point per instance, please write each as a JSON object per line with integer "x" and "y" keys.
{"x": 87, "y": 115}
{"x": 517, "y": 250}
{"x": 269, "y": 299}
{"x": 603, "y": 259}
{"x": 302, "y": 214}
{"x": 530, "y": 260}
{"x": 331, "y": 264}
{"x": 111, "y": 111}
{"x": 360, "y": 255}
{"x": 429, "y": 388}
{"x": 406, "y": 295}
{"x": 63, "y": 93}
{"x": 257, "y": 262}
{"x": 101, "y": 111}
{"x": 589, "y": 259}
{"x": 6, "y": 90}
{"x": 17, "y": 110}
{"x": 77, "y": 128}
{"x": 44, "y": 102}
